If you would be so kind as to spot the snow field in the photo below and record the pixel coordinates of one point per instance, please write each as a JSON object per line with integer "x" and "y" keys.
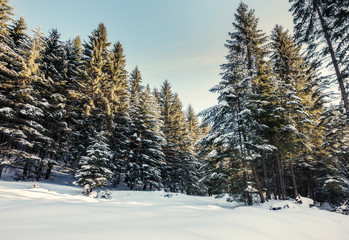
{"x": 54, "y": 212}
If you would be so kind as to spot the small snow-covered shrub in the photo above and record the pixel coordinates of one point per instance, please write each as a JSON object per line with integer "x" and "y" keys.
{"x": 168, "y": 195}
{"x": 105, "y": 194}
{"x": 335, "y": 190}
{"x": 96, "y": 193}
{"x": 34, "y": 185}
{"x": 279, "y": 206}
{"x": 343, "y": 209}
{"x": 305, "y": 201}
{"x": 86, "y": 190}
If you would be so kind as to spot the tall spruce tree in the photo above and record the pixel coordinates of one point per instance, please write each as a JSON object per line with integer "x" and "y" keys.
{"x": 119, "y": 97}
{"x": 18, "y": 35}
{"x": 96, "y": 55}
{"x": 177, "y": 173}
{"x": 146, "y": 143}
{"x": 300, "y": 103}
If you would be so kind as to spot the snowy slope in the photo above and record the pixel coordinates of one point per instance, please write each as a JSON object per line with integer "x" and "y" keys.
{"x": 59, "y": 212}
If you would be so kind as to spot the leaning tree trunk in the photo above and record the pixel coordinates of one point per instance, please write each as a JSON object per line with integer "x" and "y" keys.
{"x": 333, "y": 58}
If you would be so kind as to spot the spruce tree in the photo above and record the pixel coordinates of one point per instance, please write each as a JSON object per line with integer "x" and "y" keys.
{"x": 17, "y": 32}
{"x": 96, "y": 55}
{"x": 193, "y": 125}
{"x": 119, "y": 97}
{"x": 146, "y": 158}
{"x": 298, "y": 109}
{"x": 153, "y": 140}
{"x": 134, "y": 171}
{"x": 5, "y": 17}
{"x": 333, "y": 184}
{"x": 96, "y": 165}
{"x": 177, "y": 173}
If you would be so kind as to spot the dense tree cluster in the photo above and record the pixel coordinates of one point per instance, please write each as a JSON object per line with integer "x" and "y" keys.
{"x": 73, "y": 105}
{"x": 274, "y": 131}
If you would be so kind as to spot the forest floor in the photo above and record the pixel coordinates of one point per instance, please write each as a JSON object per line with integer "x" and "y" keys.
{"x": 59, "y": 211}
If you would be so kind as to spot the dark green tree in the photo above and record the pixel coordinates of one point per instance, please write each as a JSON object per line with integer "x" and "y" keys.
{"x": 96, "y": 165}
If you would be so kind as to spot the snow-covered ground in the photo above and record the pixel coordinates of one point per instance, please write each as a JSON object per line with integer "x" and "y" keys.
{"x": 53, "y": 212}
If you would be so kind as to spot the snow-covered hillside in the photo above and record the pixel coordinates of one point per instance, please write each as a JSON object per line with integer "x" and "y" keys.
{"x": 54, "y": 212}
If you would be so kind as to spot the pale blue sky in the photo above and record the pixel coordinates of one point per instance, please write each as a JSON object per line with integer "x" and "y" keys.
{"x": 179, "y": 40}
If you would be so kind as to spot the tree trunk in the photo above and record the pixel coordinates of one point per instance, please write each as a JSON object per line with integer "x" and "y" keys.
{"x": 310, "y": 185}
{"x": 260, "y": 192}
{"x": 266, "y": 180}
{"x": 25, "y": 170}
{"x": 333, "y": 58}
{"x": 295, "y": 189}
{"x": 38, "y": 172}
{"x": 48, "y": 172}
{"x": 275, "y": 181}
{"x": 1, "y": 169}
{"x": 281, "y": 177}
{"x": 244, "y": 165}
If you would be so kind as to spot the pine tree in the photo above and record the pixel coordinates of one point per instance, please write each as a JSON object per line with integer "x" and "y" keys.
{"x": 95, "y": 165}
{"x": 96, "y": 55}
{"x": 93, "y": 80}
{"x": 296, "y": 114}
{"x": 5, "y": 17}
{"x": 333, "y": 185}
{"x": 134, "y": 171}
{"x": 17, "y": 32}
{"x": 53, "y": 64}
{"x": 32, "y": 148}
{"x": 12, "y": 65}
{"x": 153, "y": 140}
{"x": 75, "y": 100}
{"x": 177, "y": 174}
{"x": 135, "y": 81}
{"x": 146, "y": 140}
{"x": 193, "y": 125}
{"x": 119, "y": 98}
{"x": 223, "y": 146}
{"x": 16, "y": 96}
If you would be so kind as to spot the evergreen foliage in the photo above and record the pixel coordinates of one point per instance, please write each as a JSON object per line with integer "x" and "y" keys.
{"x": 72, "y": 105}
{"x": 95, "y": 166}
{"x": 322, "y": 25}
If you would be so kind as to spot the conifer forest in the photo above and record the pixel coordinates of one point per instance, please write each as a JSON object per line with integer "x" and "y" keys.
{"x": 276, "y": 132}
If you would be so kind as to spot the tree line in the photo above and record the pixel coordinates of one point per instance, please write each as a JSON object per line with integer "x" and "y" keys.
{"x": 72, "y": 104}
{"x": 275, "y": 133}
